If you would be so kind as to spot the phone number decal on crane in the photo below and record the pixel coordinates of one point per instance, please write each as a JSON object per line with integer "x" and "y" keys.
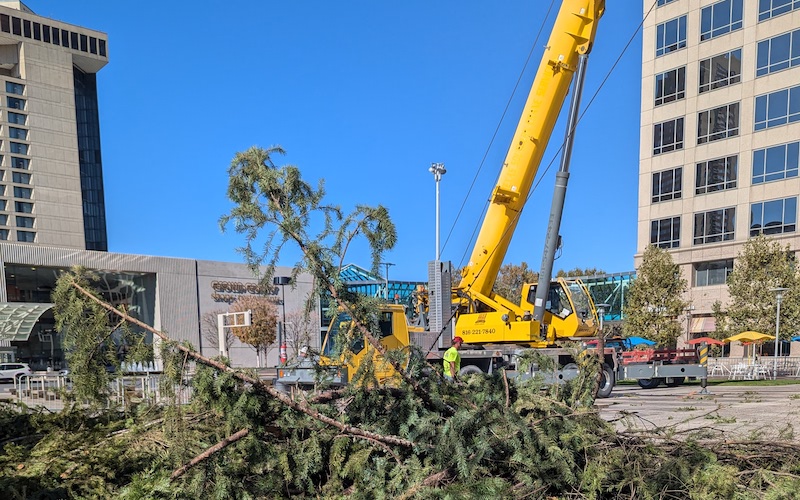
{"x": 480, "y": 331}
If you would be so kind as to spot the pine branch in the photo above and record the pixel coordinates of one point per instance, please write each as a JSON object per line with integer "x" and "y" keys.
{"x": 283, "y": 398}
{"x": 208, "y": 452}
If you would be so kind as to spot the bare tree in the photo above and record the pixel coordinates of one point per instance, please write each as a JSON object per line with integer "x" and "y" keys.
{"x": 300, "y": 329}
{"x": 210, "y": 330}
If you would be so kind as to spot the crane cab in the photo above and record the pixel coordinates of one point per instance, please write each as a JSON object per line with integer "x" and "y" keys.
{"x": 569, "y": 312}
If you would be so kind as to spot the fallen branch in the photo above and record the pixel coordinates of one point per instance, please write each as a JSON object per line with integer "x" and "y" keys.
{"x": 218, "y": 365}
{"x": 208, "y": 452}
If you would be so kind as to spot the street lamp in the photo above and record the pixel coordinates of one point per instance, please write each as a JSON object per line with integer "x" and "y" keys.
{"x": 778, "y": 291}
{"x": 387, "y": 264}
{"x": 438, "y": 170}
{"x": 282, "y": 281}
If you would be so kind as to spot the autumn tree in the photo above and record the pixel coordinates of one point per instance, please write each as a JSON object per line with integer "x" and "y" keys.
{"x": 655, "y": 299}
{"x": 510, "y": 279}
{"x": 263, "y": 328}
{"x": 578, "y": 272}
{"x": 762, "y": 264}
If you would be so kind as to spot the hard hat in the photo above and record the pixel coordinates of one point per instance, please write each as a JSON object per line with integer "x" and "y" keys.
{"x": 458, "y": 339}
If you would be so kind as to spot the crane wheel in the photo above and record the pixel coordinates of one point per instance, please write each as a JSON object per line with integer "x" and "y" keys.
{"x": 607, "y": 382}
{"x": 649, "y": 383}
{"x": 469, "y": 370}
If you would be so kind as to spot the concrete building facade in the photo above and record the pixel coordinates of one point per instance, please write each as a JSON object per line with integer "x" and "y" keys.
{"x": 720, "y": 136}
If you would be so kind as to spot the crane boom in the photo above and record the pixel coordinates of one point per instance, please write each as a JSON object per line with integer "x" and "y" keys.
{"x": 573, "y": 34}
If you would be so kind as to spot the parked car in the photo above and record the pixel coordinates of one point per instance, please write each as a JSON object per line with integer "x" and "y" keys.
{"x": 10, "y": 371}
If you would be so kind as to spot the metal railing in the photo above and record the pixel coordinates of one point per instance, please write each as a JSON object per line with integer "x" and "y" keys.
{"x": 788, "y": 366}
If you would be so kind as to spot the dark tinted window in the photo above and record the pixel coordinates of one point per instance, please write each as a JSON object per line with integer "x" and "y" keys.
{"x": 74, "y": 38}
{"x": 5, "y": 23}
{"x": 102, "y": 47}
{"x": 37, "y": 31}
{"x": 84, "y": 43}
{"x": 26, "y": 28}
{"x": 16, "y": 25}
{"x": 64, "y": 38}
{"x": 46, "y": 33}
{"x": 93, "y": 45}
{"x": 56, "y": 37}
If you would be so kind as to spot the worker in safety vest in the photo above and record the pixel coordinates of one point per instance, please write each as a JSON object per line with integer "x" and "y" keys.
{"x": 452, "y": 360}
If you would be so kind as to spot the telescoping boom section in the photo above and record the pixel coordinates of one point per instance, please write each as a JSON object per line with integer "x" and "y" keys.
{"x": 482, "y": 316}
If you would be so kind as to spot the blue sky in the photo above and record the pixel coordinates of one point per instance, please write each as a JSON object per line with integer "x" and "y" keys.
{"x": 365, "y": 95}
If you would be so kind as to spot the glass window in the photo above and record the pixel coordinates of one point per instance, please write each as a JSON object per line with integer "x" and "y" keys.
{"x": 671, "y": 36}
{"x": 3, "y": 234}
{"x": 668, "y": 136}
{"x": 25, "y": 221}
{"x": 716, "y": 175}
{"x": 23, "y": 207}
{"x": 712, "y": 273}
{"x": 664, "y": 2}
{"x": 17, "y": 118}
{"x": 21, "y": 163}
{"x": 102, "y": 47}
{"x": 714, "y": 226}
{"x": 22, "y": 192}
{"x": 26, "y": 28}
{"x": 26, "y": 236}
{"x": 720, "y": 18}
{"x": 15, "y": 102}
{"x": 773, "y": 217}
{"x": 778, "y": 53}
{"x": 772, "y": 8}
{"x": 18, "y": 133}
{"x": 19, "y": 148}
{"x": 93, "y": 45}
{"x": 5, "y": 23}
{"x": 666, "y": 233}
{"x": 21, "y": 178}
{"x": 16, "y": 25}
{"x": 37, "y": 31}
{"x": 3, "y": 220}
{"x": 776, "y": 162}
{"x": 778, "y": 108}
{"x": 46, "y": 33}
{"x": 84, "y": 43}
{"x": 74, "y": 40}
{"x": 721, "y": 70}
{"x": 56, "y": 37}
{"x": 670, "y": 86}
{"x": 667, "y": 185}
{"x": 15, "y": 88}
{"x": 65, "y": 38}
{"x": 718, "y": 123}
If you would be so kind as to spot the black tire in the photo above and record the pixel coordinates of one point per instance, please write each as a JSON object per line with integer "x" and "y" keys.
{"x": 676, "y": 381}
{"x": 649, "y": 383}
{"x": 607, "y": 382}
{"x": 468, "y": 370}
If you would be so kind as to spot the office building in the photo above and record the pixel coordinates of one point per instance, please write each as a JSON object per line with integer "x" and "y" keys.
{"x": 720, "y": 136}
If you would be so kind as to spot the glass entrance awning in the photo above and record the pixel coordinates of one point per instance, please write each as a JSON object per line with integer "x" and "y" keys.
{"x": 18, "y": 318}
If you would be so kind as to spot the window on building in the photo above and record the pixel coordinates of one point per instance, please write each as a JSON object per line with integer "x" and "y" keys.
{"x": 2, "y": 189}
{"x": 3, "y": 234}
{"x": 666, "y": 233}
{"x": 15, "y": 102}
{"x": 714, "y": 226}
{"x": 46, "y": 33}
{"x": 21, "y": 178}
{"x": 37, "y": 31}
{"x": 668, "y": 136}
{"x": 671, "y": 36}
{"x": 777, "y": 108}
{"x": 22, "y": 192}
{"x": 5, "y": 23}
{"x": 21, "y": 163}
{"x": 65, "y": 38}
{"x": 84, "y": 43}
{"x": 16, "y": 25}
{"x": 17, "y": 118}
{"x": 15, "y": 88}
{"x": 718, "y": 123}
{"x": 716, "y": 175}
{"x": 25, "y": 221}
{"x": 18, "y": 133}
{"x": 664, "y": 2}
{"x": 772, "y": 8}
{"x": 93, "y": 45}
{"x": 773, "y": 217}
{"x": 56, "y": 37}
{"x": 776, "y": 162}
{"x": 102, "y": 47}
{"x": 721, "y": 70}
{"x": 2, "y": 204}
{"x": 778, "y": 53}
{"x": 3, "y": 220}
{"x": 670, "y": 86}
{"x": 26, "y": 236}
{"x": 667, "y": 185}
{"x": 23, "y": 207}
{"x": 74, "y": 40}
{"x": 720, "y": 18}
{"x": 18, "y": 148}
{"x": 712, "y": 273}
{"x": 26, "y": 28}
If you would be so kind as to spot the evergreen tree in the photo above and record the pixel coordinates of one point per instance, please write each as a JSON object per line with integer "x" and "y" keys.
{"x": 655, "y": 299}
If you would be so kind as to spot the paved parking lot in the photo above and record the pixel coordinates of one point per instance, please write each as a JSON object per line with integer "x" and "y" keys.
{"x": 735, "y": 412}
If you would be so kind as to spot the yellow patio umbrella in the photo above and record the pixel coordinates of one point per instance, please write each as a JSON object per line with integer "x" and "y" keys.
{"x": 749, "y": 336}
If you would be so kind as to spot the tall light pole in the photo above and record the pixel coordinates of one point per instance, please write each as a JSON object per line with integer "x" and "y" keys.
{"x": 386, "y": 279}
{"x": 282, "y": 281}
{"x": 438, "y": 170}
{"x": 778, "y": 291}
